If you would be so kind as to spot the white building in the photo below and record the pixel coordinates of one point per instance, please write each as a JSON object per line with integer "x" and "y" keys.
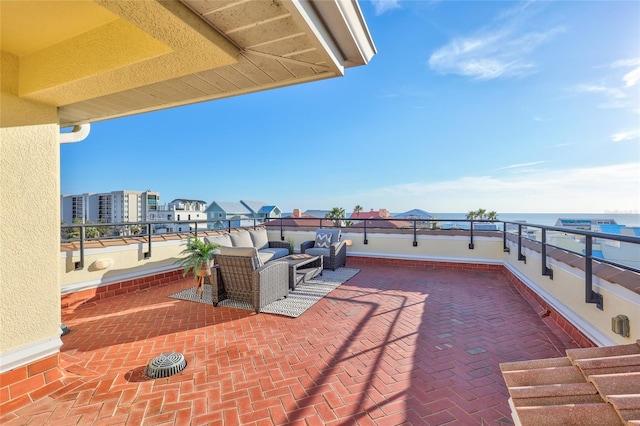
{"x": 110, "y": 207}
{"x": 180, "y": 210}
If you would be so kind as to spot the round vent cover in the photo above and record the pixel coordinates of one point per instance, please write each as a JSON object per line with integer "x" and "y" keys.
{"x": 166, "y": 365}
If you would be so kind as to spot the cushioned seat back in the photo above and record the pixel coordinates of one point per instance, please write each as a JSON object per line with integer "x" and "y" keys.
{"x": 248, "y": 252}
{"x": 221, "y": 240}
{"x": 241, "y": 239}
{"x": 259, "y": 238}
{"x": 326, "y": 237}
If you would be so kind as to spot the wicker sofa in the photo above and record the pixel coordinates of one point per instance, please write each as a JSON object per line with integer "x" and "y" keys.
{"x": 257, "y": 238}
{"x": 327, "y": 244}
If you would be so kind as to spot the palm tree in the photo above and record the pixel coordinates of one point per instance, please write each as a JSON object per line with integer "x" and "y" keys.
{"x": 481, "y": 213}
{"x": 357, "y": 209}
{"x": 472, "y": 214}
{"x": 336, "y": 215}
{"x": 492, "y": 215}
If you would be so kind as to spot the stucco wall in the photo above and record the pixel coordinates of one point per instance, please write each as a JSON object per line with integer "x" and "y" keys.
{"x": 125, "y": 262}
{"x": 449, "y": 248}
{"x": 29, "y": 241}
{"x": 566, "y": 293}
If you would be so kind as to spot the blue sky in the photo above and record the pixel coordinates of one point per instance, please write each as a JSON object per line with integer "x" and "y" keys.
{"x": 508, "y": 106}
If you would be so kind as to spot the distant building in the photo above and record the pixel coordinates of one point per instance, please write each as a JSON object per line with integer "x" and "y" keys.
{"x": 422, "y": 218}
{"x": 320, "y": 214}
{"x": 583, "y": 224}
{"x": 222, "y": 214}
{"x": 110, "y": 207}
{"x": 181, "y": 209}
{"x": 415, "y": 214}
{"x": 371, "y": 214}
{"x": 298, "y": 219}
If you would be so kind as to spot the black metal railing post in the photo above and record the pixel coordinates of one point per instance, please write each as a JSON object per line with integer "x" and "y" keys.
{"x": 365, "y": 232}
{"x": 471, "y": 235}
{"x": 520, "y": 255}
{"x": 545, "y": 269}
{"x": 196, "y": 230}
{"x": 590, "y": 295}
{"x": 505, "y": 248}
{"x": 415, "y": 233}
{"x": 80, "y": 264}
{"x": 147, "y": 255}
{"x": 281, "y": 229}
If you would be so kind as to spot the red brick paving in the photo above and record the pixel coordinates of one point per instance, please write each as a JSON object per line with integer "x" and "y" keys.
{"x": 391, "y": 346}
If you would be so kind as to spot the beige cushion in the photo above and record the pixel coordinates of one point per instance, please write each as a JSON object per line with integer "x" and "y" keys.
{"x": 251, "y": 252}
{"x": 241, "y": 239}
{"x": 259, "y": 238}
{"x": 221, "y": 240}
{"x": 239, "y": 251}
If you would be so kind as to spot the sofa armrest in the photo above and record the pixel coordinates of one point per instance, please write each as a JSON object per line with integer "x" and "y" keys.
{"x": 338, "y": 247}
{"x": 272, "y": 284}
{"x": 306, "y": 245}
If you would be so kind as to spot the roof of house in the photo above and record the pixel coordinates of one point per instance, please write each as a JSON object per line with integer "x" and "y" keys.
{"x": 371, "y": 214}
{"x": 230, "y": 207}
{"x": 184, "y": 200}
{"x": 387, "y": 224}
{"x": 589, "y": 386}
{"x": 296, "y": 221}
{"x": 267, "y": 209}
{"x": 415, "y": 214}
{"x": 253, "y": 205}
{"x": 609, "y": 228}
{"x": 316, "y": 213}
{"x": 584, "y": 222}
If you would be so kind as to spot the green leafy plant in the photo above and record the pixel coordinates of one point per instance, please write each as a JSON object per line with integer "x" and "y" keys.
{"x": 196, "y": 255}
{"x": 290, "y": 241}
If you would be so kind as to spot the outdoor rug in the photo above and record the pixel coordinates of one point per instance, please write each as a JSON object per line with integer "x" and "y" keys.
{"x": 295, "y": 304}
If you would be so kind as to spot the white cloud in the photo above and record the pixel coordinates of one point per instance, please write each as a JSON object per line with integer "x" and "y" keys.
{"x": 625, "y": 136}
{"x": 382, "y": 6}
{"x": 501, "y": 51}
{"x": 631, "y": 78}
{"x": 586, "y": 190}
{"x": 521, "y": 165}
{"x": 631, "y": 62}
{"x": 610, "y": 92}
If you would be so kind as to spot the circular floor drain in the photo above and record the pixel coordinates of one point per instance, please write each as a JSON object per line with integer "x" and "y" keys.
{"x": 166, "y": 365}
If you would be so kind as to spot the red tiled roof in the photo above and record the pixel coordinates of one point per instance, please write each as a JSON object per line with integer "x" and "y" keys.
{"x": 590, "y": 386}
{"x": 394, "y": 224}
{"x": 298, "y": 221}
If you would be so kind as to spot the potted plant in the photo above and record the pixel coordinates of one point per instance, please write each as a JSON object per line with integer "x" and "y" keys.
{"x": 197, "y": 257}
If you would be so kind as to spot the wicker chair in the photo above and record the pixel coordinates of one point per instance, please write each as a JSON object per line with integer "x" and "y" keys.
{"x": 259, "y": 286}
{"x": 334, "y": 256}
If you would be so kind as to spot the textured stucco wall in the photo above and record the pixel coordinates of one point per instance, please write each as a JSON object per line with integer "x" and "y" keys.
{"x": 125, "y": 261}
{"x": 436, "y": 247}
{"x": 568, "y": 290}
{"x": 29, "y": 241}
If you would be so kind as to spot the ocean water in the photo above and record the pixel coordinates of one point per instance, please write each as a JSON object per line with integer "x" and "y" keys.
{"x": 550, "y": 219}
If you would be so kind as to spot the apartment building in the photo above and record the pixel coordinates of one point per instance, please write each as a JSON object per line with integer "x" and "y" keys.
{"x": 180, "y": 209}
{"x": 110, "y": 207}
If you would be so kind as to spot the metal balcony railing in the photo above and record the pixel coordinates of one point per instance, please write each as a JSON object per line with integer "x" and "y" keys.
{"x": 509, "y": 231}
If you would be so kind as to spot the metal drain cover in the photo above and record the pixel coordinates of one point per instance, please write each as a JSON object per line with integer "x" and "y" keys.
{"x": 166, "y": 365}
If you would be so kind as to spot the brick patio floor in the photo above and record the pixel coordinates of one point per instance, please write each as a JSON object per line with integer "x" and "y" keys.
{"x": 391, "y": 346}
